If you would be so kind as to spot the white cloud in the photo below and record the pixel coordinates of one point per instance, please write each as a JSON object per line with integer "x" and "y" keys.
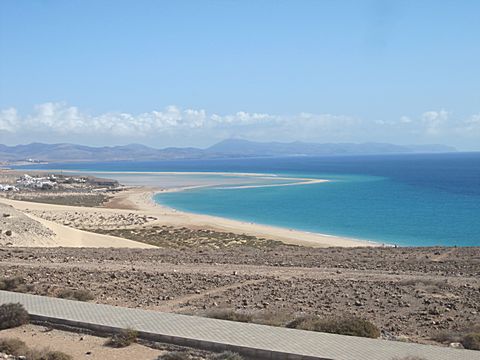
{"x": 58, "y": 122}
{"x": 470, "y": 127}
{"x": 434, "y": 121}
{"x": 63, "y": 119}
{"x": 405, "y": 120}
{"x": 8, "y": 120}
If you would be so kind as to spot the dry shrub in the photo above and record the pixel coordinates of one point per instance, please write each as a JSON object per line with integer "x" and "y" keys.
{"x": 16, "y": 284}
{"x": 352, "y": 326}
{"x": 12, "y": 315}
{"x": 264, "y": 317}
{"x": 123, "y": 338}
{"x": 47, "y": 355}
{"x": 305, "y": 322}
{"x": 272, "y": 318}
{"x": 447, "y": 336}
{"x": 471, "y": 341}
{"x": 231, "y": 315}
{"x": 72, "y": 294}
{"x": 19, "y": 349}
{"x": 13, "y": 347}
{"x": 469, "y": 337}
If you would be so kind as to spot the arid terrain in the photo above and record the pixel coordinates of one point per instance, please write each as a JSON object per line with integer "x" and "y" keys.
{"x": 412, "y": 294}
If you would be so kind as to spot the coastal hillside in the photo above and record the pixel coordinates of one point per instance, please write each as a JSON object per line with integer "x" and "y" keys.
{"x": 39, "y": 152}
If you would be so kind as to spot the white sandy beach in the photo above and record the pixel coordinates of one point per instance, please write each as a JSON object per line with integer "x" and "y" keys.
{"x": 142, "y": 200}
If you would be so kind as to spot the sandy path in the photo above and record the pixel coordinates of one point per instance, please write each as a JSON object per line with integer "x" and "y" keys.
{"x": 70, "y": 237}
{"x": 174, "y": 305}
{"x": 261, "y": 270}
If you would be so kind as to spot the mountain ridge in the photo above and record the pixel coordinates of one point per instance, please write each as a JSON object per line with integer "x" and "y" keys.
{"x": 229, "y": 148}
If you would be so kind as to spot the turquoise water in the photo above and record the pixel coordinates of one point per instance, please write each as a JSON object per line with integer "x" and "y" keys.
{"x": 414, "y": 200}
{"x": 371, "y": 208}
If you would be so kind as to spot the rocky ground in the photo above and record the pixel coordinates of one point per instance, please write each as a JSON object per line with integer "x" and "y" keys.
{"x": 409, "y": 293}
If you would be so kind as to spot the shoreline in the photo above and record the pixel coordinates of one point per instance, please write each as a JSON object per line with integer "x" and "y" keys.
{"x": 139, "y": 201}
{"x": 142, "y": 198}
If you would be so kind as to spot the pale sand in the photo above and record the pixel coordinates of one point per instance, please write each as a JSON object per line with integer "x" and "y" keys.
{"x": 139, "y": 201}
{"x": 77, "y": 345}
{"x": 66, "y": 236}
{"x": 176, "y": 180}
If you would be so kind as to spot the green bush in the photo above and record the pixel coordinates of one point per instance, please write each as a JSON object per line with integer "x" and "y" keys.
{"x": 175, "y": 355}
{"x": 471, "y": 341}
{"x": 12, "y": 315}
{"x": 71, "y": 294}
{"x": 123, "y": 338}
{"x": 227, "y": 355}
{"x": 351, "y": 326}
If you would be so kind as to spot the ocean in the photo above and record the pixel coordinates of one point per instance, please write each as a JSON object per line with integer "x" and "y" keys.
{"x": 408, "y": 200}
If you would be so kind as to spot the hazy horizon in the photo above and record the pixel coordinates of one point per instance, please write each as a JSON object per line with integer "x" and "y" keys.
{"x": 159, "y": 146}
{"x": 193, "y": 73}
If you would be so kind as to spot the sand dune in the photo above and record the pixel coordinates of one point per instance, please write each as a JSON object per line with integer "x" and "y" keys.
{"x": 59, "y": 235}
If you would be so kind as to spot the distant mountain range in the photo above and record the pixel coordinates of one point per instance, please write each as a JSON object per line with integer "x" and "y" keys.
{"x": 225, "y": 149}
{"x": 250, "y": 148}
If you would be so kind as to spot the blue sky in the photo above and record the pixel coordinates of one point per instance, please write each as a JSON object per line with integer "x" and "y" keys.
{"x": 183, "y": 73}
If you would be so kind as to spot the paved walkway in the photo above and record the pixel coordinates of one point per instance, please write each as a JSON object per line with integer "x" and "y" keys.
{"x": 258, "y": 341}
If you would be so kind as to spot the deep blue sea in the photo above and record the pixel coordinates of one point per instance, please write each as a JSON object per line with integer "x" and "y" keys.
{"x": 415, "y": 200}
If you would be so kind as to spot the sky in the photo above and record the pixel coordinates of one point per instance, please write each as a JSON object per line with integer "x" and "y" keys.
{"x": 192, "y": 73}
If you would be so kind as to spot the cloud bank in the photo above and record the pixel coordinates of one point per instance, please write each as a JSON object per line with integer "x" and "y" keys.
{"x": 58, "y": 122}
